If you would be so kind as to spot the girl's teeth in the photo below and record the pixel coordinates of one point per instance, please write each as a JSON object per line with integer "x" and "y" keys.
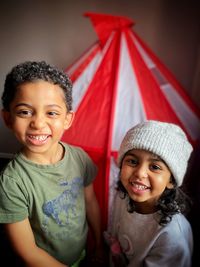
{"x": 139, "y": 187}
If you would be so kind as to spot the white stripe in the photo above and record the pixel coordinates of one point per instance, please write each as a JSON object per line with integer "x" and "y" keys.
{"x": 81, "y": 59}
{"x": 129, "y": 108}
{"x": 150, "y": 64}
{"x": 188, "y": 118}
{"x": 113, "y": 178}
{"x": 82, "y": 84}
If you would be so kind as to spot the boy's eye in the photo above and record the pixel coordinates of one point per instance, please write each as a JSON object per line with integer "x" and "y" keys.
{"x": 24, "y": 113}
{"x": 53, "y": 113}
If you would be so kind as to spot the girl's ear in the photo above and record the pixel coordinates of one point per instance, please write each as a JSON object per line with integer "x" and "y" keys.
{"x": 7, "y": 118}
{"x": 170, "y": 184}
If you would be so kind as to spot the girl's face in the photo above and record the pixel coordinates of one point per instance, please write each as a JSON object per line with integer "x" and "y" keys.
{"x": 38, "y": 117}
{"x": 144, "y": 176}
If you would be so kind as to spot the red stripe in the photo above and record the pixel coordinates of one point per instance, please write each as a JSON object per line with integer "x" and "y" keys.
{"x": 115, "y": 74}
{"x": 93, "y": 117}
{"x": 105, "y": 24}
{"x": 155, "y": 104}
{"x": 170, "y": 77}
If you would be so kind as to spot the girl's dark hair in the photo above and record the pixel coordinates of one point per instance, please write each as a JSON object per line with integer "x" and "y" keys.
{"x": 171, "y": 201}
{"x": 31, "y": 71}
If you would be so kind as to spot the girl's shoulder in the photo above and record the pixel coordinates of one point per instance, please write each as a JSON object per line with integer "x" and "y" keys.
{"x": 179, "y": 227}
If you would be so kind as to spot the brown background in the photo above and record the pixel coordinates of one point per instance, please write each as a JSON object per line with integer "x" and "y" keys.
{"x": 57, "y": 31}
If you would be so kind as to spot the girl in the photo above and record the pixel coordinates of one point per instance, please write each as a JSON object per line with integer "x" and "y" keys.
{"x": 148, "y": 226}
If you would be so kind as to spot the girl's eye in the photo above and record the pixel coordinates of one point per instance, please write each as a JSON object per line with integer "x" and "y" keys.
{"x": 155, "y": 167}
{"x": 131, "y": 161}
{"x": 24, "y": 113}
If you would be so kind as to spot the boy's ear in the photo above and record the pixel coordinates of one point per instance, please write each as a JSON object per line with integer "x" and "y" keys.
{"x": 69, "y": 119}
{"x": 6, "y": 117}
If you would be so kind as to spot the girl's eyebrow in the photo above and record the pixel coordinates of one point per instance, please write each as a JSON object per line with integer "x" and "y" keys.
{"x": 154, "y": 157}
{"x": 129, "y": 153}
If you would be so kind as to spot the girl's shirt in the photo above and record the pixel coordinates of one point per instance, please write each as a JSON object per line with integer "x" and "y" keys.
{"x": 146, "y": 243}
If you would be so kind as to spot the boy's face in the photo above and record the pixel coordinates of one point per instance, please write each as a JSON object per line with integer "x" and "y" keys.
{"x": 145, "y": 176}
{"x": 38, "y": 117}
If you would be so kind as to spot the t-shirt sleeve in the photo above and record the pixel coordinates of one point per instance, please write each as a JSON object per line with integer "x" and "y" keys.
{"x": 90, "y": 169}
{"x": 13, "y": 202}
{"x": 169, "y": 251}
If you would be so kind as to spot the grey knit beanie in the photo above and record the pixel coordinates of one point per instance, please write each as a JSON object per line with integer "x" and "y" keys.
{"x": 166, "y": 140}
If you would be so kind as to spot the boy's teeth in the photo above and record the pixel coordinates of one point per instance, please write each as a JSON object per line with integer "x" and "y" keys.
{"x": 38, "y": 137}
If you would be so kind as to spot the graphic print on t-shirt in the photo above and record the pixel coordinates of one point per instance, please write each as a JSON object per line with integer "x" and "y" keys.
{"x": 62, "y": 208}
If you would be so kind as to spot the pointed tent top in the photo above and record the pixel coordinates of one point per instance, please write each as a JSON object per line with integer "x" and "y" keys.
{"x": 105, "y": 24}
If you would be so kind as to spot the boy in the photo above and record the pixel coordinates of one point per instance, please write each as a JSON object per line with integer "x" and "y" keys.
{"x": 46, "y": 191}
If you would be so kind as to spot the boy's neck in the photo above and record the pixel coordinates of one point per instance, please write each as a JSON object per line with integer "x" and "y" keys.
{"x": 45, "y": 158}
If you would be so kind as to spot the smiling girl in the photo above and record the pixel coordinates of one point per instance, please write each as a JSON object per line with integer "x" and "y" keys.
{"x": 148, "y": 226}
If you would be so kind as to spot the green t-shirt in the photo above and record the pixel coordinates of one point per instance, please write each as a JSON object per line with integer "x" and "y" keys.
{"x": 52, "y": 197}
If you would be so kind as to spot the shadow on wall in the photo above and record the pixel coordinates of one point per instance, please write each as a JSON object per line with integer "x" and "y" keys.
{"x": 6, "y": 253}
{"x": 191, "y": 186}
{"x": 8, "y": 141}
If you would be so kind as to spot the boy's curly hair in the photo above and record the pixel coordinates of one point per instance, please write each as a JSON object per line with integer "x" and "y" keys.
{"x": 171, "y": 201}
{"x": 31, "y": 71}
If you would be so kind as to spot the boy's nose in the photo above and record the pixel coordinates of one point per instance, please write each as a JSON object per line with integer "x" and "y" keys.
{"x": 37, "y": 122}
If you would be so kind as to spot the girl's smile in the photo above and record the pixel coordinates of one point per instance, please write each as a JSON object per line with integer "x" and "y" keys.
{"x": 144, "y": 176}
{"x": 138, "y": 188}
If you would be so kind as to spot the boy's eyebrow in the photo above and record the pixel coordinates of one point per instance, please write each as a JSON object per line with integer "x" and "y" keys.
{"x": 22, "y": 104}
{"x": 29, "y": 106}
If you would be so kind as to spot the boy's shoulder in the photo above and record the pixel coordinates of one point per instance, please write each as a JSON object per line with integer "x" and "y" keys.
{"x": 73, "y": 149}
{"x": 80, "y": 157}
{"x": 76, "y": 151}
{"x": 10, "y": 165}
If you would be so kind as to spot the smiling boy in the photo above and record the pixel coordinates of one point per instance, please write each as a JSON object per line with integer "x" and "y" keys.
{"x": 46, "y": 191}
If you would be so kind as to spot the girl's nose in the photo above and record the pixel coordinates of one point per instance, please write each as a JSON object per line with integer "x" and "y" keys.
{"x": 141, "y": 171}
{"x": 37, "y": 122}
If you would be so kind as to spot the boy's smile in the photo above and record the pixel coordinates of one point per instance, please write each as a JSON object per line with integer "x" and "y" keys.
{"x": 38, "y": 116}
{"x": 145, "y": 176}
{"x": 37, "y": 139}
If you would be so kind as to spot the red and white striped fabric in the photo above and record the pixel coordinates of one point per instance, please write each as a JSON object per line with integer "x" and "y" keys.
{"x": 118, "y": 83}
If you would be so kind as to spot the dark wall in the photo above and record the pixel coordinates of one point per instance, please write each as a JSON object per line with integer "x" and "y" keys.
{"x": 57, "y": 32}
